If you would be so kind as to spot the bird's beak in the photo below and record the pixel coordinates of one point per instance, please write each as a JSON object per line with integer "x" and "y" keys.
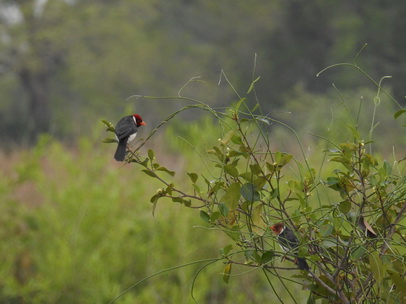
{"x": 143, "y": 123}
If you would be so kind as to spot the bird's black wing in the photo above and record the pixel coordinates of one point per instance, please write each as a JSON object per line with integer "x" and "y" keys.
{"x": 125, "y": 127}
{"x": 288, "y": 240}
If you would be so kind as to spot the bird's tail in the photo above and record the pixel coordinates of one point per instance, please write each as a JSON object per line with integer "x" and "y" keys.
{"x": 302, "y": 264}
{"x": 120, "y": 152}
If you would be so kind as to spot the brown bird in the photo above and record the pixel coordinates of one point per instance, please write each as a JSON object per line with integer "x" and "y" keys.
{"x": 289, "y": 243}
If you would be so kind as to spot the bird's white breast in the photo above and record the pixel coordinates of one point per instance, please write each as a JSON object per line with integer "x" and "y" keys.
{"x": 131, "y": 137}
{"x": 131, "y": 141}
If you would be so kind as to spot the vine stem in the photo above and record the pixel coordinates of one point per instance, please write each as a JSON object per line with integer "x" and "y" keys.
{"x": 359, "y": 69}
{"x": 163, "y": 271}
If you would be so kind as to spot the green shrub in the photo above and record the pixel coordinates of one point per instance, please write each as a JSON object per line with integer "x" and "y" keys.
{"x": 348, "y": 213}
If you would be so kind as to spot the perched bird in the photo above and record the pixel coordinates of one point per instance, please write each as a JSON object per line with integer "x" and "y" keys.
{"x": 289, "y": 243}
{"x": 126, "y": 130}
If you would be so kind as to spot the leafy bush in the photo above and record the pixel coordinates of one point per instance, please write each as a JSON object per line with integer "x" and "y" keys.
{"x": 348, "y": 215}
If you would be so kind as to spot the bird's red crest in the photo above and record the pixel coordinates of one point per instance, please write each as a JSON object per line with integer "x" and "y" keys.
{"x": 277, "y": 228}
{"x": 139, "y": 120}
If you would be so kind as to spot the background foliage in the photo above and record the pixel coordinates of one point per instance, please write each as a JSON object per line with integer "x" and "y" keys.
{"x": 66, "y": 63}
{"x": 78, "y": 228}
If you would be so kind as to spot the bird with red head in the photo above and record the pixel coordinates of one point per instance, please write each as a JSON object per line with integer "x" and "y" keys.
{"x": 289, "y": 243}
{"x": 126, "y": 131}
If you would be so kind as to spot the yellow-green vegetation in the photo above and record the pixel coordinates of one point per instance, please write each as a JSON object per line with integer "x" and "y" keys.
{"x": 348, "y": 206}
{"x": 78, "y": 228}
{"x": 186, "y": 219}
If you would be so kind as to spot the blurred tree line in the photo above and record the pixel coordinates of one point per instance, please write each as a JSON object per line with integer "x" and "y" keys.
{"x": 64, "y": 64}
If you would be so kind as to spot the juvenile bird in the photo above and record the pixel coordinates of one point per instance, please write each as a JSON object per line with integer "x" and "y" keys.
{"x": 289, "y": 243}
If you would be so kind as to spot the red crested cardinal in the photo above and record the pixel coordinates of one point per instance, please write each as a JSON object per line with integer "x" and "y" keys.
{"x": 289, "y": 243}
{"x": 126, "y": 130}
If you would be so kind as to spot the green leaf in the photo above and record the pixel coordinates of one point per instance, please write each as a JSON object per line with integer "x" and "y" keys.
{"x": 231, "y": 170}
{"x": 238, "y": 105}
{"x": 234, "y": 233}
{"x": 144, "y": 163}
{"x": 232, "y": 196}
{"x": 225, "y": 140}
{"x": 247, "y": 176}
{"x": 237, "y": 140}
{"x": 398, "y": 113}
{"x": 193, "y": 177}
{"x": 328, "y": 244}
{"x": 275, "y": 193}
{"x": 154, "y": 201}
{"x": 169, "y": 189}
{"x": 387, "y": 167}
{"x": 196, "y": 187}
{"x": 171, "y": 173}
{"x": 358, "y": 253}
{"x": 223, "y": 209}
{"x": 259, "y": 182}
{"x": 398, "y": 266}
{"x": 345, "y": 207}
{"x": 256, "y": 257}
{"x": 252, "y": 84}
{"x": 348, "y": 147}
{"x": 369, "y": 159}
{"x": 376, "y": 266}
{"x": 181, "y": 200}
{"x": 255, "y": 169}
{"x": 311, "y": 299}
{"x": 150, "y": 173}
{"x": 110, "y": 141}
{"x": 255, "y": 108}
{"x": 215, "y": 216}
{"x": 267, "y": 257}
{"x": 286, "y": 158}
{"x": 259, "y": 225}
{"x": 226, "y": 272}
{"x": 216, "y": 151}
{"x": 109, "y": 125}
{"x": 151, "y": 154}
{"x": 234, "y": 153}
{"x": 399, "y": 282}
{"x": 271, "y": 167}
{"x": 354, "y": 132}
{"x": 332, "y": 180}
{"x": 340, "y": 159}
{"x": 204, "y": 216}
{"x": 326, "y": 230}
{"x": 155, "y": 197}
{"x": 226, "y": 250}
{"x": 249, "y": 193}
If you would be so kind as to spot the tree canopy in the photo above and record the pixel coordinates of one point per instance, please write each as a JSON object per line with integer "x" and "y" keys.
{"x": 64, "y": 63}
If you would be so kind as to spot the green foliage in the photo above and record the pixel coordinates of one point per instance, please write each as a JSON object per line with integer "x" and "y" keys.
{"x": 347, "y": 217}
{"x": 68, "y": 63}
{"x": 76, "y": 228}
